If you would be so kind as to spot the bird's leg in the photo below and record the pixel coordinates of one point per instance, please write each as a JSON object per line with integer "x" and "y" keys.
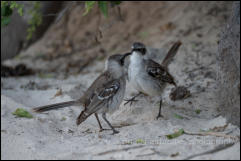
{"x": 159, "y": 113}
{"x": 132, "y": 99}
{"x": 113, "y": 129}
{"x": 97, "y": 118}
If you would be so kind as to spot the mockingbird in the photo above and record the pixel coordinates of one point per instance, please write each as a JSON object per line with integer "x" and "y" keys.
{"x": 147, "y": 76}
{"x": 103, "y": 96}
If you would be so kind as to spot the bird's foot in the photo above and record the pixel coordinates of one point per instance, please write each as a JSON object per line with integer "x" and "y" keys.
{"x": 130, "y": 101}
{"x": 115, "y": 132}
{"x": 159, "y": 116}
{"x": 101, "y": 130}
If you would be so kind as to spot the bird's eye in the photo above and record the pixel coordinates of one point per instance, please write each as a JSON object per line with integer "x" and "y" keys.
{"x": 143, "y": 51}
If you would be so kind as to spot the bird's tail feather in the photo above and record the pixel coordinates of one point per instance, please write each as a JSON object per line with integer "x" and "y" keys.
{"x": 54, "y": 106}
{"x": 171, "y": 53}
{"x": 82, "y": 117}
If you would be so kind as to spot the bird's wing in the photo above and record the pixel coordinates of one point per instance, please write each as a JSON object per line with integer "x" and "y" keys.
{"x": 158, "y": 72}
{"x": 85, "y": 99}
{"x": 103, "y": 92}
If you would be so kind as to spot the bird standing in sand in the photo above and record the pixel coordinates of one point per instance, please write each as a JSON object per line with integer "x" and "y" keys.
{"x": 103, "y": 96}
{"x": 147, "y": 76}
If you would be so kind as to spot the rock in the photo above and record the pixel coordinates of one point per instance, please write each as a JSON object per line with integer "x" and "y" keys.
{"x": 179, "y": 93}
{"x": 228, "y": 77}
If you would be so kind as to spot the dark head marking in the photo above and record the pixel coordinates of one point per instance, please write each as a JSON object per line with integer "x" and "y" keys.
{"x": 137, "y": 46}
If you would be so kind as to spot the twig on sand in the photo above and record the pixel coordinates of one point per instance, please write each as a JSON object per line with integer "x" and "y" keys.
{"x": 212, "y": 134}
{"x": 216, "y": 149}
{"x": 145, "y": 155}
{"x": 119, "y": 150}
{"x": 123, "y": 125}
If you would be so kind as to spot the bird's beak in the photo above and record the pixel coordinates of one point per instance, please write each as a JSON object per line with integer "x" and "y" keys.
{"x": 123, "y": 57}
{"x": 134, "y": 49}
{"x": 127, "y": 54}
